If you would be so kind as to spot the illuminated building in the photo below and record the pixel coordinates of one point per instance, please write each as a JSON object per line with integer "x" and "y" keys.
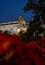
{"x": 14, "y": 26}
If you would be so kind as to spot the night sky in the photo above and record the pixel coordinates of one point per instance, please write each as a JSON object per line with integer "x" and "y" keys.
{"x": 10, "y": 10}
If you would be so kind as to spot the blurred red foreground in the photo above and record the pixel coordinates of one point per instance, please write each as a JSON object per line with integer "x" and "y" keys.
{"x": 17, "y": 52}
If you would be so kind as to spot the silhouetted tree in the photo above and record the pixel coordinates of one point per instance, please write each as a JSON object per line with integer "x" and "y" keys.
{"x": 38, "y": 8}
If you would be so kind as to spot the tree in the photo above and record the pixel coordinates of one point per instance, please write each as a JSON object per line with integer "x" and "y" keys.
{"x": 38, "y": 8}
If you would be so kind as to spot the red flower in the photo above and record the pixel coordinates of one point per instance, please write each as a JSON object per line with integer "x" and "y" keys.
{"x": 24, "y": 54}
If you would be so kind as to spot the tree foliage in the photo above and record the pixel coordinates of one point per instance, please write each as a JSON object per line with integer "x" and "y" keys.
{"x": 38, "y": 8}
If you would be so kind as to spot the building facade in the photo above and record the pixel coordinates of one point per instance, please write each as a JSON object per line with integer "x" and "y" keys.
{"x": 13, "y": 27}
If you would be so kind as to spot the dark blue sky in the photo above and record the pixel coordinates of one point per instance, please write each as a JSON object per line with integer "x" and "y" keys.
{"x": 11, "y": 9}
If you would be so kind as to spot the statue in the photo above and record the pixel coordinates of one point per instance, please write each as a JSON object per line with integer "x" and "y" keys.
{"x": 21, "y": 20}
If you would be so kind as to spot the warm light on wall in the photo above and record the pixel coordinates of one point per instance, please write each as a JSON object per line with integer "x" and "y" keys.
{"x": 18, "y": 30}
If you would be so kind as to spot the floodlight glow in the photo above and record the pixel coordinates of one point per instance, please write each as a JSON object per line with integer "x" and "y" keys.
{"x": 18, "y": 30}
